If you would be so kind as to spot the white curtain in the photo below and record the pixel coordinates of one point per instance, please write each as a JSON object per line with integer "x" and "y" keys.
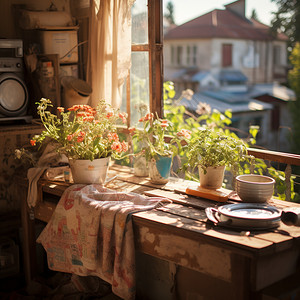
{"x": 109, "y": 49}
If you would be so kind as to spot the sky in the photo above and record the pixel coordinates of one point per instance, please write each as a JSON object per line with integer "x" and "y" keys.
{"x": 186, "y": 10}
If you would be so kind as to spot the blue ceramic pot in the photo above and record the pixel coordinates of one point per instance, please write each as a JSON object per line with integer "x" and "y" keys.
{"x": 159, "y": 169}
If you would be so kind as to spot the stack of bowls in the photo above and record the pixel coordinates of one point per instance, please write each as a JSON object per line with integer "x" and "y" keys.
{"x": 254, "y": 188}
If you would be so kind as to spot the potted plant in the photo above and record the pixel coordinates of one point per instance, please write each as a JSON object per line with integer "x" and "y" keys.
{"x": 86, "y": 135}
{"x": 211, "y": 150}
{"x": 159, "y": 145}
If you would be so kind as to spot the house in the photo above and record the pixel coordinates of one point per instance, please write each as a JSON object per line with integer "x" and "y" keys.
{"x": 226, "y": 41}
{"x": 223, "y": 54}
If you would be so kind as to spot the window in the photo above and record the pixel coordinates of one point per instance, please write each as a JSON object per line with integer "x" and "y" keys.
{"x": 226, "y": 55}
{"x": 276, "y": 55}
{"x": 172, "y": 55}
{"x": 144, "y": 82}
{"x": 195, "y": 55}
{"x": 179, "y": 55}
{"x": 188, "y": 54}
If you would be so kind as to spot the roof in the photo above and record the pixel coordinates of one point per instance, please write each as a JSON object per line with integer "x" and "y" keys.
{"x": 223, "y": 101}
{"x": 275, "y": 90}
{"x": 223, "y": 24}
{"x": 184, "y": 74}
{"x": 232, "y": 76}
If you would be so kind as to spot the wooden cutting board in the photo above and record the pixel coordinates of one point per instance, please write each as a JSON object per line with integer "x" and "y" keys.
{"x": 219, "y": 195}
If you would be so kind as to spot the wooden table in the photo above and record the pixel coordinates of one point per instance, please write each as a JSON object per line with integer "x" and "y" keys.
{"x": 193, "y": 258}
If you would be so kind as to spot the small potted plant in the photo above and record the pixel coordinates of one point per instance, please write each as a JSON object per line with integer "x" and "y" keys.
{"x": 86, "y": 136}
{"x": 211, "y": 150}
{"x": 159, "y": 145}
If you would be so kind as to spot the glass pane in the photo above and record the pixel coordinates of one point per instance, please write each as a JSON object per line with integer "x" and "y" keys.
{"x": 139, "y": 86}
{"x": 123, "y": 107}
{"x": 139, "y": 15}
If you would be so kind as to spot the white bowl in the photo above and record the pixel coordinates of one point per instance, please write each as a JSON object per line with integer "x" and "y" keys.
{"x": 254, "y": 188}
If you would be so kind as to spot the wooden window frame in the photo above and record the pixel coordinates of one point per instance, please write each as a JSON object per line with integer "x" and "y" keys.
{"x": 155, "y": 49}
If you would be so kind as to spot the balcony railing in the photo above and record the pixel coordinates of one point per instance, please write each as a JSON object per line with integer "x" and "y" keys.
{"x": 288, "y": 159}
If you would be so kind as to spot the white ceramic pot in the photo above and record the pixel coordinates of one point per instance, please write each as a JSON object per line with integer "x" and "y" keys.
{"x": 213, "y": 178}
{"x": 254, "y": 188}
{"x": 140, "y": 166}
{"x": 86, "y": 171}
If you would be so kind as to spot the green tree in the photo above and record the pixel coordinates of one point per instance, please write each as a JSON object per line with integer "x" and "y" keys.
{"x": 294, "y": 81}
{"x": 287, "y": 20}
{"x": 169, "y": 15}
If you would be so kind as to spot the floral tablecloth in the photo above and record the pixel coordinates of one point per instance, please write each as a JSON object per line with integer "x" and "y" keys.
{"x": 90, "y": 233}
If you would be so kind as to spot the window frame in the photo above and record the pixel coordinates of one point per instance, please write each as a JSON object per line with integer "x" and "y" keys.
{"x": 155, "y": 49}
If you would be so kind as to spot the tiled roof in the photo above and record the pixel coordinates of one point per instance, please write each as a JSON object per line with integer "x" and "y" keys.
{"x": 222, "y": 24}
{"x": 224, "y": 101}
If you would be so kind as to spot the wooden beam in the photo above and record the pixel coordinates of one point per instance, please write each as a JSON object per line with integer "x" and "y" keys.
{"x": 281, "y": 157}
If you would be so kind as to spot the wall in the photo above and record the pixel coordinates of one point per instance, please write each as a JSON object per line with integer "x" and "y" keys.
{"x": 204, "y": 48}
{"x": 253, "y": 58}
{"x": 19, "y": 135}
{"x": 13, "y": 137}
{"x": 8, "y": 23}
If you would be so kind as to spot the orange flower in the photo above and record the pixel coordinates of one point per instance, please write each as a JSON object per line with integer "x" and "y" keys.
{"x": 142, "y": 119}
{"x": 80, "y": 136}
{"x": 93, "y": 111}
{"x": 112, "y": 136}
{"x": 61, "y": 109}
{"x": 69, "y": 137}
{"x": 81, "y": 114}
{"x": 149, "y": 116}
{"x": 88, "y": 119}
{"x": 124, "y": 146}
{"x": 164, "y": 125}
{"x": 117, "y": 146}
{"x": 184, "y": 133}
{"x": 32, "y": 142}
{"x": 123, "y": 116}
{"x": 109, "y": 115}
{"x": 73, "y": 108}
{"x": 80, "y": 139}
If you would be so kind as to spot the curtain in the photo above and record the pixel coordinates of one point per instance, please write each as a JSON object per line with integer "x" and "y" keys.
{"x": 109, "y": 57}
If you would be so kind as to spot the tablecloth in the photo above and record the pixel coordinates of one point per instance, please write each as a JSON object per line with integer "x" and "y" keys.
{"x": 91, "y": 233}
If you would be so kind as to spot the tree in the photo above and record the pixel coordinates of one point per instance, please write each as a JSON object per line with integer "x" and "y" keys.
{"x": 294, "y": 81}
{"x": 287, "y": 20}
{"x": 169, "y": 15}
{"x": 254, "y": 15}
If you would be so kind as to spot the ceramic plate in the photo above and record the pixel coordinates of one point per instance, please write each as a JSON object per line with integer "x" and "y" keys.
{"x": 245, "y": 216}
{"x": 250, "y": 211}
